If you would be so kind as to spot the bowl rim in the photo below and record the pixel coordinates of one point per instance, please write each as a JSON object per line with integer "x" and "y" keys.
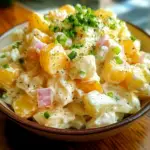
{"x": 78, "y": 132}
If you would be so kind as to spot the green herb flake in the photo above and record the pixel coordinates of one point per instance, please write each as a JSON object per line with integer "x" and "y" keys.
{"x": 5, "y": 66}
{"x": 116, "y": 50}
{"x": 72, "y": 55}
{"x": 82, "y": 73}
{"x": 118, "y": 60}
{"x": 92, "y": 52}
{"x": 62, "y": 39}
{"x": 3, "y": 56}
{"x": 46, "y": 18}
{"x": 46, "y": 115}
{"x": 113, "y": 26}
{"x": 76, "y": 46}
{"x": 16, "y": 45}
{"x": 133, "y": 38}
{"x": 110, "y": 94}
{"x": 3, "y": 94}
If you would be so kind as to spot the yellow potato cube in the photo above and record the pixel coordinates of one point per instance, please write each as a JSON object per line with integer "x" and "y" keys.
{"x": 89, "y": 86}
{"x": 76, "y": 108}
{"x": 135, "y": 79}
{"x": 37, "y": 21}
{"x": 94, "y": 102}
{"x": 113, "y": 71}
{"x": 7, "y": 76}
{"x": 131, "y": 50}
{"x": 68, "y": 8}
{"x": 53, "y": 59}
{"x": 103, "y": 13}
{"x": 24, "y": 106}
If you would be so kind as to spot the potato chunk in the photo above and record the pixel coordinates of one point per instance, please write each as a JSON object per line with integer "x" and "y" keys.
{"x": 89, "y": 86}
{"x": 7, "y": 76}
{"x": 53, "y": 59}
{"x": 37, "y": 21}
{"x": 94, "y": 102}
{"x": 24, "y": 106}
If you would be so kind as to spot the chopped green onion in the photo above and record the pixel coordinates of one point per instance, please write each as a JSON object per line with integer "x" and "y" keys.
{"x": 110, "y": 94}
{"x": 3, "y": 56}
{"x": 118, "y": 60}
{"x": 77, "y": 46}
{"x": 54, "y": 28}
{"x": 72, "y": 55}
{"x": 5, "y": 66}
{"x": 21, "y": 60}
{"x": 16, "y": 45}
{"x": 46, "y": 18}
{"x": 133, "y": 38}
{"x": 62, "y": 39}
{"x": 116, "y": 50}
{"x": 113, "y": 26}
{"x": 82, "y": 73}
{"x": 92, "y": 52}
{"x": 46, "y": 115}
{"x": 3, "y": 94}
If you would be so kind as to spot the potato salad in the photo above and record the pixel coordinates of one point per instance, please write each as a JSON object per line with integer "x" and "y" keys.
{"x": 74, "y": 67}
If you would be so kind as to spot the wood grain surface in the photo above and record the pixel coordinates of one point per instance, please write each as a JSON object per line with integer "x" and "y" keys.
{"x": 13, "y": 137}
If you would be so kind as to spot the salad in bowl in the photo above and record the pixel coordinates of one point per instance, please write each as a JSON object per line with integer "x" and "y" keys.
{"x": 74, "y": 68}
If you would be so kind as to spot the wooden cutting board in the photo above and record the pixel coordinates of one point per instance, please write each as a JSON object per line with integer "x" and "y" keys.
{"x": 13, "y": 137}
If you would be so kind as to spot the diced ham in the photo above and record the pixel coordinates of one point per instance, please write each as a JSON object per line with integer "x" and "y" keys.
{"x": 103, "y": 41}
{"x": 44, "y": 97}
{"x": 37, "y": 44}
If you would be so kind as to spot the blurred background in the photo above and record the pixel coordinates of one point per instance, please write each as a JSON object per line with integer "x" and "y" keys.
{"x": 134, "y": 11}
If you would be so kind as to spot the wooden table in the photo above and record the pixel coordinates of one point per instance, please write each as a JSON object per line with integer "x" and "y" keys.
{"x": 13, "y": 137}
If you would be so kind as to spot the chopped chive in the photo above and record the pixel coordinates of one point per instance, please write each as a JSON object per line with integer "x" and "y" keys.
{"x": 92, "y": 52}
{"x": 113, "y": 26}
{"x": 46, "y": 18}
{"x": 16, "y": 45}
{"x": 133, "y": 38}
{"x": 62, "y": 39}
{"x": 118, "y": 60}
{"x": 72, "y": 55}
{"x": 56, "y": 29}
{"x": 77, "y": 46}
{"x": 110, "y": 94}
{"x": 3, "y": 94}
{"x": 3, "y": 56}
{"x": 46, "y": 115}
{"x": 116, "y": 50}
{"x": 5, "y": 66}
{"x": 82, "y": 73}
